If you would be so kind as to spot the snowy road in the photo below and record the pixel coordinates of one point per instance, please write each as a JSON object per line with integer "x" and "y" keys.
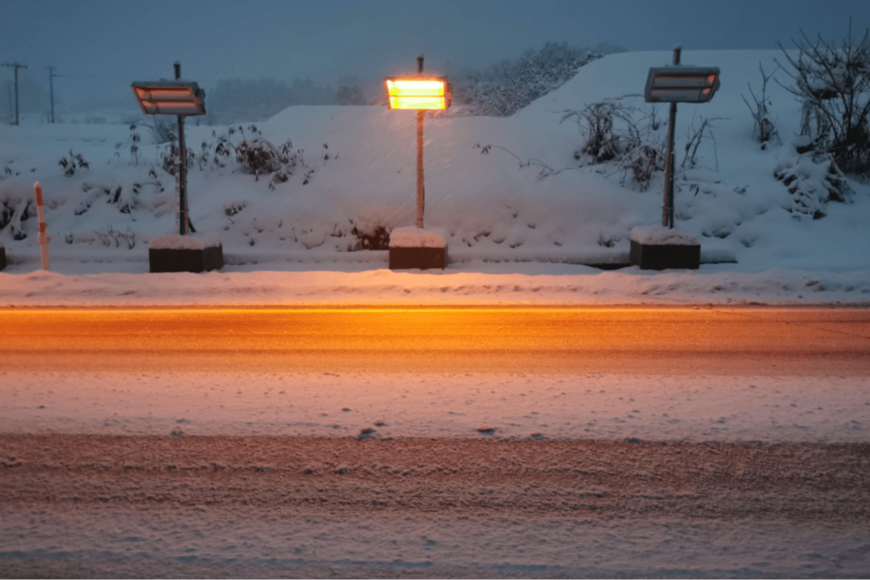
{"x": 686, "y": 341}
{"x": 525, "y": 442}
{"x": 266, "y": 506}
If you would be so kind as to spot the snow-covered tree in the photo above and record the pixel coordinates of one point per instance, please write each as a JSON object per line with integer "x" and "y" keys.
{"x": 504, "y": 89}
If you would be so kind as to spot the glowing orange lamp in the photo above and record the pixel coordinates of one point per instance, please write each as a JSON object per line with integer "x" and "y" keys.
{"x": 419, "y": 94}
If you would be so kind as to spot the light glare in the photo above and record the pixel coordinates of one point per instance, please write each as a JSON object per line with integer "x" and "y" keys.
{"x": 418, "y": 94}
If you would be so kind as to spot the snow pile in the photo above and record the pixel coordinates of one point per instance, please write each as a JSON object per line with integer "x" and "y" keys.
{"x": 811, "y": 182}
{"x": 463, "y": 282}
{"x": 660, "y": 236}
{"x": 179, "y": 242}
{"x": 414, "y": 237}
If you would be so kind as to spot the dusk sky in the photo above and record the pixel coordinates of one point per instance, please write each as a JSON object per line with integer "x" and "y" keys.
{"x": 100, "y": 46}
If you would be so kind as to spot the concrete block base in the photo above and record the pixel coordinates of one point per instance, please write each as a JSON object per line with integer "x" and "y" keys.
{"x": 178, "y": 260}
{"x": 665, "y": 256}
{"x": 422, "y": 258}
{"x": 2, "y": 257}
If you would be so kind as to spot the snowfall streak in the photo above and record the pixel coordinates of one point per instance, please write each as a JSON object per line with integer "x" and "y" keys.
{"x": 766, "y": 341}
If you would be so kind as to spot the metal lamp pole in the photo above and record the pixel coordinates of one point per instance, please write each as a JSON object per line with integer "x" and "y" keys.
{"x": 421, "y": 190}
{"x": 181, "y": 183}
{"x": 668, "y": 206}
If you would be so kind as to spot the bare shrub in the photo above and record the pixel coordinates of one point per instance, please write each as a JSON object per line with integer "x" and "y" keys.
{"x": 13, "y": 211}
{"x": 694, "y": 137}
{"x": 260, "y": 157}
{"x": 162, "y": 129}
{"x": 623, "y": 134}
{"x": 73, "y": 162}
{"x": 110, "y": 236}
{"x": 764, "y": 127}
{"x": 811, "y": 179}
{"x": 172, "y": 159}
{"x": 833, "y": 85}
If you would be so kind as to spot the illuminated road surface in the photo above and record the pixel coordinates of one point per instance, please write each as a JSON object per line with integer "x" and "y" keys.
{"x": 425, "y": 340}
{"x": 162, "y": 506}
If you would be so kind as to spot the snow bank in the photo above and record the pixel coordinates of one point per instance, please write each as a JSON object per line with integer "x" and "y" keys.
{"x": 660, "y": 236}
{"x": 466, "y": 282}
{"x": 414, "y": 237}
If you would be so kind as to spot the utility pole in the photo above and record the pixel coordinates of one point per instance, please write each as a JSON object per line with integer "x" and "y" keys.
{"x": 16, "y": 66}
{"x": 51, "y": 76}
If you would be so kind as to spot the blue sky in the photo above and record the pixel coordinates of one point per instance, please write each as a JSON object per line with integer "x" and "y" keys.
{"x": 102, "y": 44}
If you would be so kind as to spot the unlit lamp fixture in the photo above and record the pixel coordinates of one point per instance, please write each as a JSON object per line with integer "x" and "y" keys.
{"x": 170, "y": 98}
{"x": 681, "y": 84}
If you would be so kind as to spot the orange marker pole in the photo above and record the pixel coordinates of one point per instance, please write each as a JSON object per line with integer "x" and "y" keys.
{"x": 43, "y": 238}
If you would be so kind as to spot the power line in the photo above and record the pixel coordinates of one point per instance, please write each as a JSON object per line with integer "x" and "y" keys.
{"x": 125, "y": 79}
{"x": 89, "y": 77}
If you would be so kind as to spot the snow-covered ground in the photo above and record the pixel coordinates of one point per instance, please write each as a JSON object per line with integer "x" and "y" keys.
{"x": 524, "y": 221}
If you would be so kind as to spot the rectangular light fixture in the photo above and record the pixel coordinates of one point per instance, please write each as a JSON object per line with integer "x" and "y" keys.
{"x": 170, "y": 98}
{"x": 681, "y": 84}
{"x": 418, "y": 93}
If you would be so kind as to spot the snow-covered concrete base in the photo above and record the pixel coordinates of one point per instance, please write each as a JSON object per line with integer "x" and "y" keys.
{"x": 422, "y": 248}
{"x": 660, "y": 248}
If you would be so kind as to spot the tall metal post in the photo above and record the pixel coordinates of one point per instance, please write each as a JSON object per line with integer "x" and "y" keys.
{"x": 668, "y": 205}
{"x": 51, "y": 76}
{"x": 421, "y": 190}
{"x": 181, "y": 182}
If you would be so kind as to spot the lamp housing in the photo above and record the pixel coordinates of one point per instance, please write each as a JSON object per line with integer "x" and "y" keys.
{"x": 170, "y": 98}
{"x": 681, "y": 84}
{"x": 416, "y": 93}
